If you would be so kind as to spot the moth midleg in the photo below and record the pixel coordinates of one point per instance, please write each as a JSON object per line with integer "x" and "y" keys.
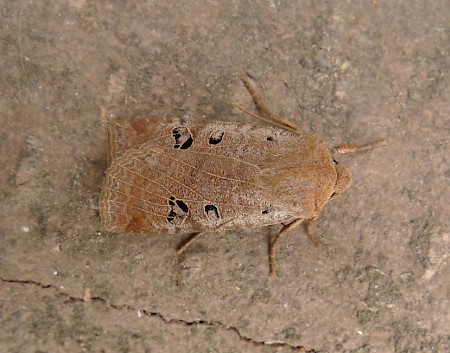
{"x": 310, "y": 232}
{"x": 188, "y": 242}
{"x": 282, "y": 233}
{"x": 344, "y": 148}
{"x": 195, "y": 236}
{"x": 264, "y": 110}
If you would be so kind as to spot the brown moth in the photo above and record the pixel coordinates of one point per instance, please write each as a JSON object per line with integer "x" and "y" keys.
{"x": 207, "y": 176}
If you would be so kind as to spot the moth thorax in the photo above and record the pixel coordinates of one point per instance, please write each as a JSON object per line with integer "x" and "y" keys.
{"x": 343, "y": 179}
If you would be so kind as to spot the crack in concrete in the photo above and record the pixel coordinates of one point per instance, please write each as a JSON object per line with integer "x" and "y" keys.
{"x": 221, "y": 325}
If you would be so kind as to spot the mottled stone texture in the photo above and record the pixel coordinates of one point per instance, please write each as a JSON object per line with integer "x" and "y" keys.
{"x": 346, "y": 71}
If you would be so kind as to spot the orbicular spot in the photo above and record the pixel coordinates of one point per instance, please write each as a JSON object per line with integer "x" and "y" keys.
{"x": 216, "y": 137}
{"x": 183, "y": 138}
{"x": 212, "y": 212}
{"x": 265, "y": 211}
{"x": 178, "y": 212}
{"x": 270, "y": 138}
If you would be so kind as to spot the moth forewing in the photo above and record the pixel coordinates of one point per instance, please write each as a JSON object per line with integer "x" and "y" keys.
{"x": 191, "y": 177}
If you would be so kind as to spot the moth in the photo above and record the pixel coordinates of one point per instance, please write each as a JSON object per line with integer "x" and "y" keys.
{"x": 173, "y": 176}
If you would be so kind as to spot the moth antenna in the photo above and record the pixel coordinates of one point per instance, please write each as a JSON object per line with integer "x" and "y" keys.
{"x": 352, "y": 149}
{"x": 269, "y": 121}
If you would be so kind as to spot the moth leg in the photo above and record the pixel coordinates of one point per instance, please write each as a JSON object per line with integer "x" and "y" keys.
{"x": 195, "y": 236}
{"x": 188, "y": 242}
{"x": 283, "y": 232}
{"x": 264, "y": 110}
{"x": 310, "y": 232}
{"x": 343, "y": 148}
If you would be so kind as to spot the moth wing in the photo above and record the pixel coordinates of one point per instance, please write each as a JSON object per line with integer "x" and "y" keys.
{"x": 125, "y": 134}
{"x": 187, "y": 177}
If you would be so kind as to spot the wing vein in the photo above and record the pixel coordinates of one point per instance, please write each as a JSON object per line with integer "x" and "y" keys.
{"x": 205, "y": 172}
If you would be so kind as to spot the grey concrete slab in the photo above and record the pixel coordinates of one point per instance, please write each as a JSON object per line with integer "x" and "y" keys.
{"x": 345, "y": 71}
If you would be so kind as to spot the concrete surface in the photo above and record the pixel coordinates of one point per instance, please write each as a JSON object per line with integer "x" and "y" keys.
{"x": 348, "y": 71}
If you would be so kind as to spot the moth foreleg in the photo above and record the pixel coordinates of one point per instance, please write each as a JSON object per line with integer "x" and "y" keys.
{"x": 283, "y": 232}
{"x": 265, "y": 111}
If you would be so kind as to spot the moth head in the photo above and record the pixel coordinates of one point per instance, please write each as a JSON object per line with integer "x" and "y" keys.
{"x": 343, "y": 179}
